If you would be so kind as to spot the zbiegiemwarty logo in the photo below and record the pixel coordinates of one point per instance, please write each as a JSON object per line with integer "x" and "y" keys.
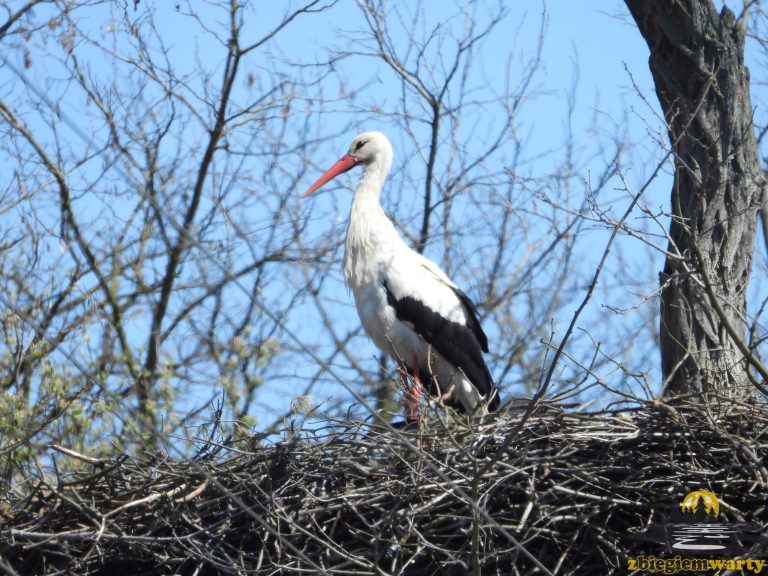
{"x": 693, "y": 535}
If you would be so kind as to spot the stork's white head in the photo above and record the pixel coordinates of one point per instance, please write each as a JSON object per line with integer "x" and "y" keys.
{"x": 371, "y": 149}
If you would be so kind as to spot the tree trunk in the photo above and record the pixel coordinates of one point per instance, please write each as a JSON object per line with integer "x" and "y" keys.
{"x": 697, "y": 62}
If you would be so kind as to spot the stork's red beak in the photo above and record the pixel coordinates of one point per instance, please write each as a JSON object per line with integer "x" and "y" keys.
{"x": 346, "y": 162}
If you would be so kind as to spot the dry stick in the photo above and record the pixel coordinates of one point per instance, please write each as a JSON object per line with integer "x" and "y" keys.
{"x": 475, "y": 524}
{"x": 7, "y": 569}
{"x": 79, "y": 456}
{"x": 79, "y": 535}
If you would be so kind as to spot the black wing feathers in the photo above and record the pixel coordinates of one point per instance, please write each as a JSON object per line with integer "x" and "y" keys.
{"x": 472, "y": 322}
{"x": 460, "y": 345}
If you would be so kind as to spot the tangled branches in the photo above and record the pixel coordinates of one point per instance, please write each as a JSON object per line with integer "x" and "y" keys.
{"x": 571, "y": 494}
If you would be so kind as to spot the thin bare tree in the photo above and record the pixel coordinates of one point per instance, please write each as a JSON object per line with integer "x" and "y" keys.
{"x": 146, "y": 229}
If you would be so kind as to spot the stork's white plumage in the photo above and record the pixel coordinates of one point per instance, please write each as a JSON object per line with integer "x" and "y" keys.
{"x": 408, "y": 306}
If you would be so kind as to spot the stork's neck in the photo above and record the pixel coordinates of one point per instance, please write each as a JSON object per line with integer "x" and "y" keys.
{"x": 371, "y": 237}
{"x": 372, "y": 181}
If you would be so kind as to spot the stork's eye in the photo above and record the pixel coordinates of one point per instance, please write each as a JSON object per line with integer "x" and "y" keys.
{"x": 360, "y": 145}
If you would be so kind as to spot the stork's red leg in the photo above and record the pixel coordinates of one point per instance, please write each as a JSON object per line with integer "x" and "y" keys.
{"x": 413, "y": 393}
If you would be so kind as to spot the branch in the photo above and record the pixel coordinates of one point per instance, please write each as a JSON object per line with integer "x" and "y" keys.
{"x": 18, "y": 14}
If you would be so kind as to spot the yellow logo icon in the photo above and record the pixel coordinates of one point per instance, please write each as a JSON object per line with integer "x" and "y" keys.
{"x": 690, "y": 503}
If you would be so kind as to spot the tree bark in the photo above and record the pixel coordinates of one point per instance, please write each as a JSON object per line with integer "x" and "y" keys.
{"x": 697, "y": 62}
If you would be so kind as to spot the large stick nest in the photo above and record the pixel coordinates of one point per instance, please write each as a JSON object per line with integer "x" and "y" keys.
{"x": 564, "y": 492}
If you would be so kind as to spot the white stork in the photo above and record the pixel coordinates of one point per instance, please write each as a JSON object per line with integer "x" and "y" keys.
{"x": 408, "y": 306}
